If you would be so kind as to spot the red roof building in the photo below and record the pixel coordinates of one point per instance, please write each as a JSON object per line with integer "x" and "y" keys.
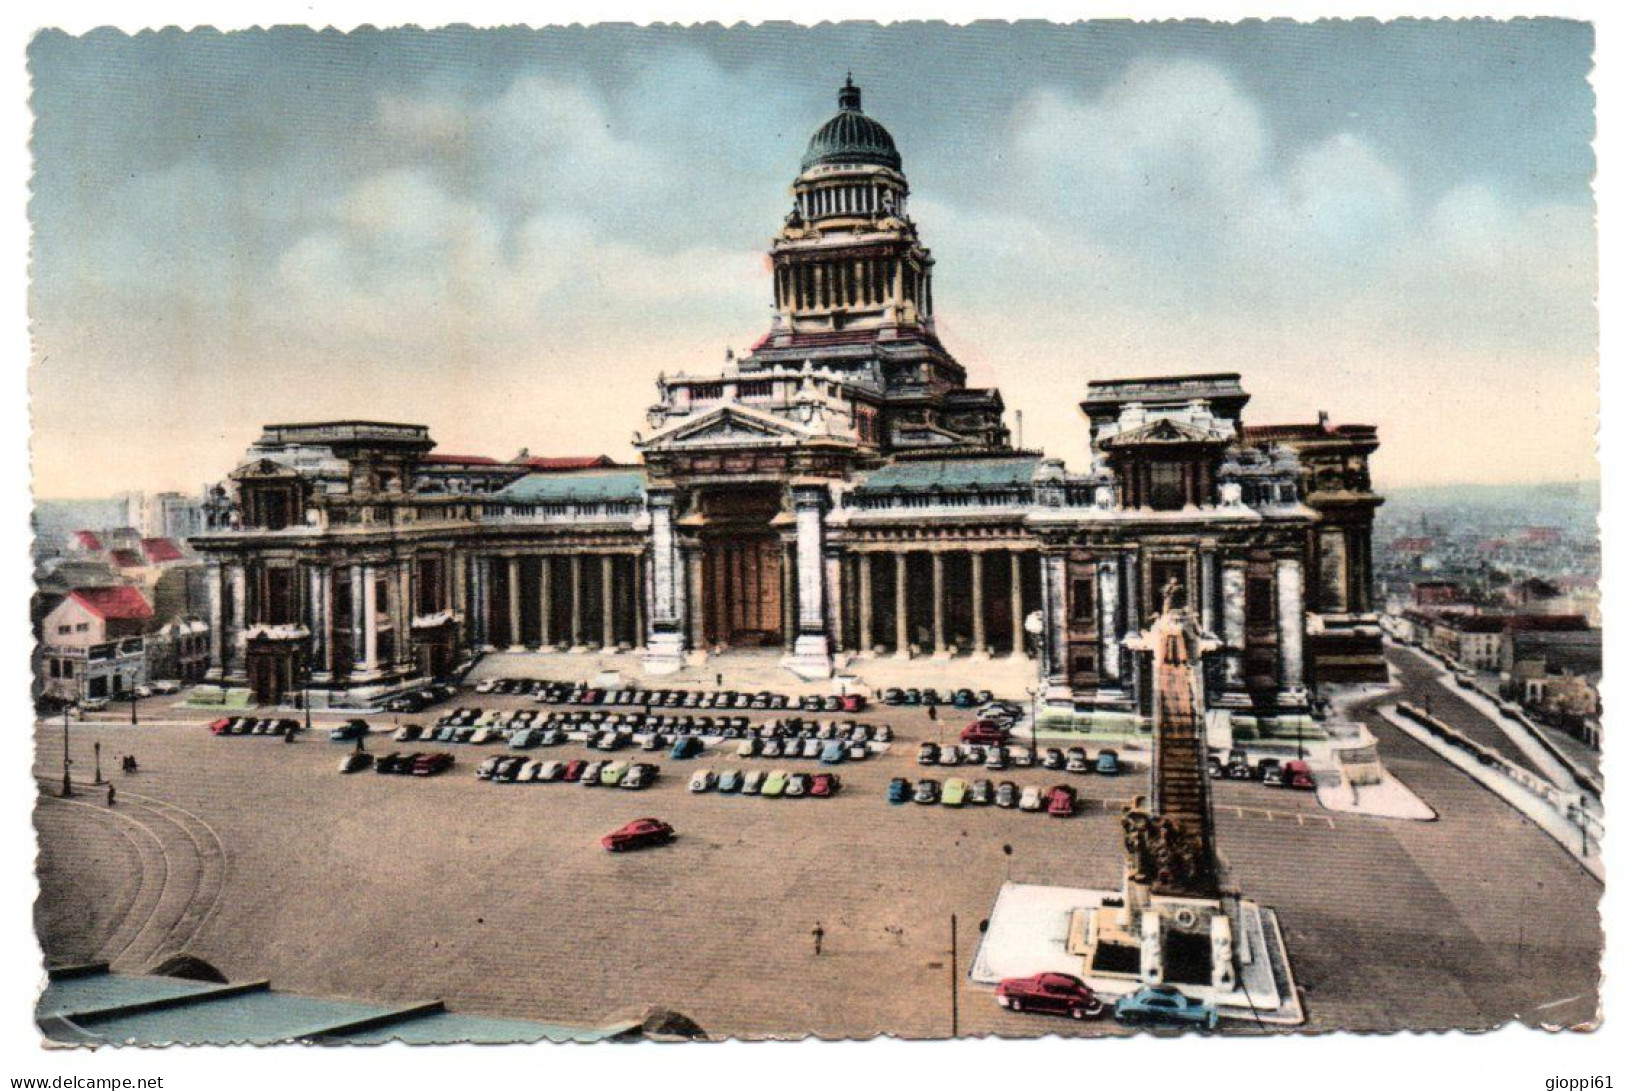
{"x": 565, "y": 463}
{"x": 126, "y": 558}
{"x": 161, "y": 550}
{"x": 87, "y": 539}
{"x": 114, "y": 603}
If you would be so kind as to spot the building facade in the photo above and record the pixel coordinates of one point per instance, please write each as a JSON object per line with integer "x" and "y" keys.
{"x": 836, "y": 494}
{"x": 92, "y": 644}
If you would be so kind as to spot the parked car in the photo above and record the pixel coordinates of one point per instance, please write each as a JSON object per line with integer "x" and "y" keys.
{"x": 1107, "y": 763}
{"x": 687, "y": 747}
{"x": 981, "y": 792}
{"x": 824, "y": 785}
{"x": 1053, "y": 759}
{"x": 752, "y": 784}
{"x": 637, "y": 834}
{"x": 927, "y": 791}
{"x": 892, "y": 696}
{"x": 524, "y": 738}
{"x": 1050, "y": 993}
{"x": 797, "y": 785}
{"x": 550, "y": 771}
{"x": 592, "y": 773}
{"x": 1237, "y": 766}
{"x": 899, "y": 791}
{"x": 1297, "y": 774}
{"x": 996, "y": 757}
{"x": 729, "y": 781}
{"x": 954, "y": 790}
{"x": 165, "y": 686}
{"x": 854, "y": 702}
{"x": 223, "y": 725}
{"x": 573, "y": 771}
{"x": 775, "y": 783}
{"x": 641, "y": 775}
{"x": 429, "y": 765}
{"x": 702, "y": 781}
{"x": 1006, "y": 794}
{"x": 1164, "y": 1005}
{"x": 983, "y": 733}
{"x": 349, "y": 732}
{"x": 1268, "y": 771}
{"x": 389, "y": 763}
{"x": 354, "y": 763}
{"x": 1077, "y": 760}
{"x": 1032, "y": 798}
{"x": 612, "y": 772}
{"x": 408, "y": 733}
{"x": 834, "y": 752}
{"x": 1063, "y": 802}
{"x": 928, "y": 753}
{"x": 949, "y": 755}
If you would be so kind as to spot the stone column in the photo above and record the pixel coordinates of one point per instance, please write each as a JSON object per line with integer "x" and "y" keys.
{"x": 835, "y": 600}
{"x": 904, "y": 640}
{"x": 1018, "y": 609}
{"x": 236, "y": 649}
{"x": 369, "y": 619}
{"x": 575, "y": 601}
{"x": 1111, "y": 636}
{"x": 544, "y": 600}
{"x": 866, "y": 604}
{"x": 1235, "y": 619}
{"x": 516, "y": 638}
{"x": 479, "y": 593}
{"x": 1289, "y": 621}
{"x": 939, "y": 642}
{"x": 810, "y": 658}
{"x": 639, "y": 591}
{"x": 1054, "y": 581}
{"x": 606, "y": 580}
{"x": 405, "y": 610}
{"x": 663, "y": 648}
{"x": 694, "y": 564}
{"x": 319, "y": 619}
{"x": 978, "y": 621}
{"x": 1206, "y": 568}
{"x": 217, "y": 621}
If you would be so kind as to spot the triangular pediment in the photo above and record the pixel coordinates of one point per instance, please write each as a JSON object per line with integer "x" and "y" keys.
{"x": 261, "y": 469}
{"x": 727, "y": 426}
{"x": 1164, "y": 431}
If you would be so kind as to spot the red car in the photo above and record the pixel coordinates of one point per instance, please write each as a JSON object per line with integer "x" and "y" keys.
{"x": 1058, "y": 994}
{"x": 983, "y": 733}
{"x": 637, "y": 834}
{"x": 1297, "y": 774}
{"x": 1063, "y": 802}
{"x": 222, "y": 726}
{"x": 853, "y": 702}
{"x": 824, "y": 785}
{"x": 428, "y": 765}
{"x": 573, "y": 771}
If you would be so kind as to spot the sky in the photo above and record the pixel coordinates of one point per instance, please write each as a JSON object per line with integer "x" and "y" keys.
{"x": 508, "y": 235}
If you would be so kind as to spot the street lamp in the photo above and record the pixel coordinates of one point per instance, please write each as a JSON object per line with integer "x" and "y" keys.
{"x": 1034, "y": 624}
{"x": 67, "y": 780}
{"x": 98, "y": 748}
{"x": 135, "y": 720}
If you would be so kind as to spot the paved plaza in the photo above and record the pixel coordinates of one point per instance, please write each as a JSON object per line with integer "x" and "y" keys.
{"x": 258, "y": 857}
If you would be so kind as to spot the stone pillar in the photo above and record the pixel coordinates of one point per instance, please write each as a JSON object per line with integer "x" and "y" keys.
{"x": 788, "y": 603}
{"x": 904, "y": 641}
{"x": 639, "y": 592}
{"x": 217, "y": 621}
{"x": 575, "y": 602}
{"x": 544, "y": 600}
{"x": 1053, "y": 571}
{"x": 319, "y": 620}
{"x": 694, "y": 603}
{"x": 1235, "y": 619}
{"x": 939, "y": 642}
{"x": 810, "y": 659}
{"x": 1111, "y": 636}
{"x": 978, "y": 620}
{"x": 1018, "y": 609}
{"x": 516, "y": 638}
{"x": 1289, "y": 625}
{"x": 405, "y": 610}
{"x": 835, "y": 600}
{"x": 369, "y": 619}
{"x": 606, "y": 580}
{"x": 866, "y": 604}
{"x": 480, "y": 601}
{"x": 1206, "y": 569}
{"x": 663, "y": 647}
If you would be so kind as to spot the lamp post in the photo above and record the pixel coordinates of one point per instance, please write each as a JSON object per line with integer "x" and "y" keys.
{"x": 1034, "y": 624}
{"x": 135, "y": 719}
{"x": 98, "y": 749}
{"x": 67, "y": 780}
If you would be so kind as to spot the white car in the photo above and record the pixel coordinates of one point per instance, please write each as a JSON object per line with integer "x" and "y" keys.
{"x": 753, "y": 782}
{"x": 1032, "y": 798}
{"x": 948, "y": 756}
{"x": 702, "y": 781}
{"x": 550, "y": 770}
{"x": 482, "y": 736}
{"x": 530, "y": 770}
{"x": 857, "y": 751}
{"x": 747, "y": 748}
{"x": 810, "y": 748}
{"x": 1019, "y": 755}
{"x": 486, "y": 686}
{"x": 165, "y": 686}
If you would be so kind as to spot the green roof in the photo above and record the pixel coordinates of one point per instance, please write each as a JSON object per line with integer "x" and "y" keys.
{"x": 851, "y": 136}
{"x": 951, "y": 474}
{"x": 590, "y": 486}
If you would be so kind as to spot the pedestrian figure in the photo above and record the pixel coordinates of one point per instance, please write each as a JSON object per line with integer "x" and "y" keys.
{"x": 931, "y": 711}
{"x": 818, "y": 938}
{"x": 110, "y": 793}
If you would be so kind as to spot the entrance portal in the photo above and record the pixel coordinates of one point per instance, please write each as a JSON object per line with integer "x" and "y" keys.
{"x": 744, "y": 590}
{"x": 272, "y": 670}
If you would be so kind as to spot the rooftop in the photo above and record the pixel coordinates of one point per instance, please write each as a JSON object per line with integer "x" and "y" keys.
{"x": 583, "y": 486}
{"x": 114, "y": 603}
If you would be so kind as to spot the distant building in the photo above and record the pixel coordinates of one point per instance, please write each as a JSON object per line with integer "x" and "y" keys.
{"x": 93, "y": 644}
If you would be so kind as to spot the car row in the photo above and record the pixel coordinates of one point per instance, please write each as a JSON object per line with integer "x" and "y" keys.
{"x": 1074, "y": 760}
{"x": 1064, "y": 994}
{"x": 1270, "y": 771}
{"x": 827, "y": 751}
{"x": 773, "y": 783}
{"x": 418, "y": 764}
{"x": 580, "y": 693}
{"x": 959, "y": 698}
{"x": 416, "y": 700}
{"x": 509, "y": 769}
{"x": 1060, "y": 800}
{"x": 250, "y": 725}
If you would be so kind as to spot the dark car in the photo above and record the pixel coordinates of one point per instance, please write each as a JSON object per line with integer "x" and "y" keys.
{"x": 964, "y": 698}
{"x": 687, "y": 747}
{"x": 637, "y": 834}
{"x": 927, "y": 791}
{"x": 1049, "y": 993}
{"x": 408, "y": 763}
{"x": 983, "y": 733}
{"x": 899, "y": 791}
{"x": 349, "y": 732}
{"x": 354, "y": 763}
{"x": 1054, "y": 759}
{"x": 892, "y": 696}
{"x": 1007, "y": 794}
{"x": 1106, "y": 763}
{"x": 428, "y": 765}
{"x": 389, "y": 763}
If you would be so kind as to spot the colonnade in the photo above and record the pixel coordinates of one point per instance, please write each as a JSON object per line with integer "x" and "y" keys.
{"x": 556, "y": 599}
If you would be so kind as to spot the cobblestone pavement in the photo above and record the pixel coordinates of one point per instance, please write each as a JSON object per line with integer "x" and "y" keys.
{"x": 259, "y": 857}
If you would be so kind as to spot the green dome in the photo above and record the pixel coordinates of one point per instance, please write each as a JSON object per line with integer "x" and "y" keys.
{"x": 851, "y": 136}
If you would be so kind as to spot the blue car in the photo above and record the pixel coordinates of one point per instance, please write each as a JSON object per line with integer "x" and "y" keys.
{"x": 1164, "y": 1005}
{"x": 1106, "y": 763}
{"x": 899, "y": 791}
{"x": 730, "y": 781}
{"x": 687, "y": 747}
{"x": 349, "y": 732}
{"x": 524, "y": 739}
{"x": 834, "y": 752}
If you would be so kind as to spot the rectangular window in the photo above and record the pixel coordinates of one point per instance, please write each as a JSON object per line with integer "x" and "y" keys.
{"x": 1260, "y": 601}
{"x": 1083, "y": 601}
{"x": 1167, "y": 486}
